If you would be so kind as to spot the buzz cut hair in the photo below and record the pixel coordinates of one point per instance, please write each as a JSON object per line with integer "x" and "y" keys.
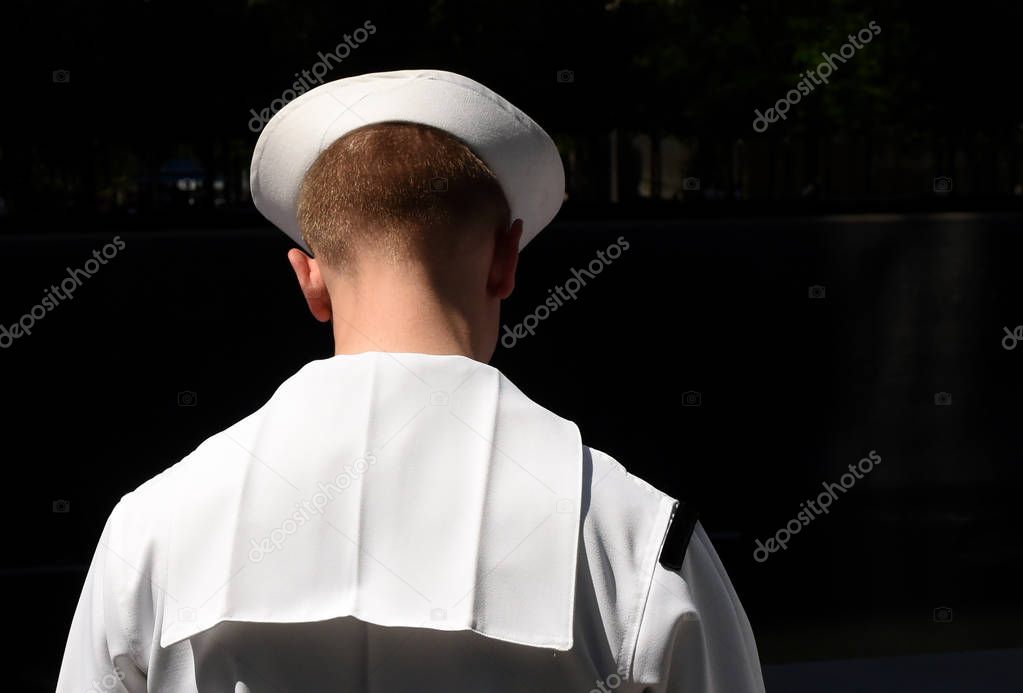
{"x": 398, "y": 190}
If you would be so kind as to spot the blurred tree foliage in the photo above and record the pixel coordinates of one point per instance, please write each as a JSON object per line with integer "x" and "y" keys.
{"x": 693, "y": 64}
{"x": 149, "y": 78}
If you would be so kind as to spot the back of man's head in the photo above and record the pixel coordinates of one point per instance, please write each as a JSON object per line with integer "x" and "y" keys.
{"x": 399, "y": 192}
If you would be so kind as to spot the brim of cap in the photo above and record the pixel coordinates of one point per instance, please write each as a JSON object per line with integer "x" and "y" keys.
{"x": 521, "y": 155}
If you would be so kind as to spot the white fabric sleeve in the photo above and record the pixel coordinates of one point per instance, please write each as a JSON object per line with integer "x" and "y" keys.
{"x": 694, "y": 636}
{"x": 97, "y": 657}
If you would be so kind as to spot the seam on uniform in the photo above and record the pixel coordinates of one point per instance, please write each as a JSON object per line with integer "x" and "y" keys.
{"x": 654, "y": 544}
{"x": 131, "y": 640}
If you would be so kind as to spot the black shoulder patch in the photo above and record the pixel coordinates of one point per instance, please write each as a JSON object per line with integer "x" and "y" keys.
{"x": 683, "y": 522}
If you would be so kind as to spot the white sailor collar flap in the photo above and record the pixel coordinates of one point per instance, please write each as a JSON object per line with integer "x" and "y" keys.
{"x": 401, "y": 489}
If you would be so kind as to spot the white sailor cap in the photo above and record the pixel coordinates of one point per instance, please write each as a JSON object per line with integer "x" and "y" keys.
{"x": 522, "y": 156}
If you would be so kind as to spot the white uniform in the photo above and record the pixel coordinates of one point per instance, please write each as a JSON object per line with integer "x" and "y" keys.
{"x": 402, "y": 522}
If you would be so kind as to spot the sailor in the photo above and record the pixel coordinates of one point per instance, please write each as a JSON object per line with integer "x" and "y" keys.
{"x": 400, "y": 516}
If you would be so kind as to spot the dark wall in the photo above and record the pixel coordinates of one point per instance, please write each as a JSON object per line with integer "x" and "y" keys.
{"x": 792, "y": 389}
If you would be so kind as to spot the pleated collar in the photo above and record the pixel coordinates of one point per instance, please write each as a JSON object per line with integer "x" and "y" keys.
{"x": 401, "y": 489}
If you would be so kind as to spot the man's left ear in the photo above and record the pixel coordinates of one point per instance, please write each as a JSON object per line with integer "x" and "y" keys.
{"x": 314, "y": 288}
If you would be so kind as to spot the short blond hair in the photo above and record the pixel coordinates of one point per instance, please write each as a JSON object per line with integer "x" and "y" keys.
{"x": 403, "y": 189}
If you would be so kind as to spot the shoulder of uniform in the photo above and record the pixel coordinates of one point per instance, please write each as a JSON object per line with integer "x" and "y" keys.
{"x": 682, "y": 516}
{"x": 607, "y": 470}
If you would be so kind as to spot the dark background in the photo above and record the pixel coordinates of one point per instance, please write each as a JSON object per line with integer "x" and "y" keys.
{"x": 711, "y": 297}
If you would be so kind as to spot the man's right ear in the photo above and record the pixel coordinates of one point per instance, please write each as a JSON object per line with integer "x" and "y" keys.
{"x": 501, "y": 281}
{"x": 314, "y": 288}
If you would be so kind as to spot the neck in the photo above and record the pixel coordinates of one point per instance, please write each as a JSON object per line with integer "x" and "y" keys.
{"x": 393, "y": 310}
